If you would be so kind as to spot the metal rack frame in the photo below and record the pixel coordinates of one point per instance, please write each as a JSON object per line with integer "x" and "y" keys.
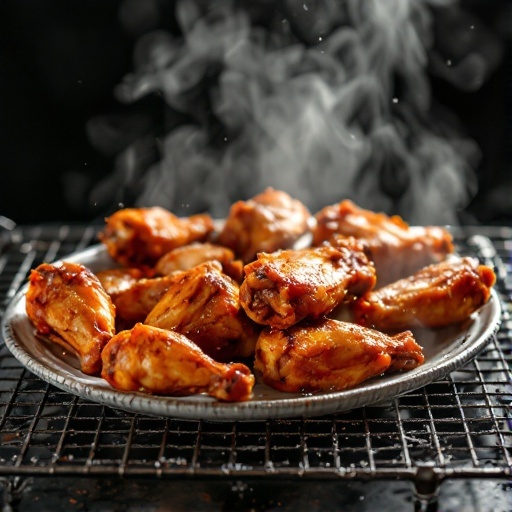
{"x": 459, "y": 427}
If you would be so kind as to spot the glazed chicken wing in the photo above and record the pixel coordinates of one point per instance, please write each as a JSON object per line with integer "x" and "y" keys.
{"x": 282, "y": 288}
{"x": 133, "y": 297}
{"x": 436, "y": 296}
{"x": 203, "y": 304}
{"x": 66, "y": 303}
{"x": 188, "y": 256}
{"x": 398, "y": 250}
{"x": 137, "y": 237}
{"x": 331, "y": 356}
{"x": 269, "y": 221}
{"x": 165, "y": 362}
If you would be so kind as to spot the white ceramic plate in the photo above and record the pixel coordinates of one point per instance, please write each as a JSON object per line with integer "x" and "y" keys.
{"x": 445, "y": 350}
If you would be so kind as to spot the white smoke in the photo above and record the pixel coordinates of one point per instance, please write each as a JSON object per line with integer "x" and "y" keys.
{"x": 345, "y": 115}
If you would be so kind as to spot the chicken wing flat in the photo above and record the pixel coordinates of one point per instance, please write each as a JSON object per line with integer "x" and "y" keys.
{"x": 436, "y": 296}
{"x": 188, "y": 256}
{"x": 132, "y": 294}
{"x": 397, "y": 249}
{"x": 203, "y": 304}
{"x": 137, "y": 237}
{"x": 165, "y": 362}
{"x": 67, "y": 304}
{"x": 331, "y": 356}
{"x": 282, "y": 288}
{"x": 269, "y": 221}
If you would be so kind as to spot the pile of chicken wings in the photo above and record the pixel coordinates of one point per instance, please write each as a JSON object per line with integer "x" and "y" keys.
{"x": 193, "y": 306}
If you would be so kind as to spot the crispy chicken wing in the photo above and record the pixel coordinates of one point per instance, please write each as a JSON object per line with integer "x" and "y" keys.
{"x": 397, "y": 249}
{"x": 164, "y": 362}
{"x": 203, "y": 304}
{"x": 66, "y": 303}
{"x": 188, "y": 256}
{"x": 436, "y": 296}
{"x": 140, "y": 236}
{"x": 282, "y": 288}
{"x": 133, "y": 295}
{"x": 331, "y": 356}
{"x": 269, "y": 221}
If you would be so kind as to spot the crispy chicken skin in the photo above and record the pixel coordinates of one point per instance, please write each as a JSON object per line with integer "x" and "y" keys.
{"x": 133, "y": 295}
{"x": 203, "y": 304}
{"x": 436, "y": 296}
{"x": 397, "y": 249}
{"x": 164, "y": 362}
{"x": 188, "y": 256}
{"x": 269, "y": 221}
{"x": 331, "y": 356}
{"x": 66, "y": 303}
{"x": 282, "y": 288}
{"x": 138, "y": 237}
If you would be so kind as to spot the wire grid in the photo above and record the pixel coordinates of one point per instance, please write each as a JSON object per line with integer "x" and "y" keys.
{"x": 459, "y": 426}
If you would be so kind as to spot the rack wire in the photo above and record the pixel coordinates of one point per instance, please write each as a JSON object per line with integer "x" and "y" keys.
{"x": 456, "y": 427}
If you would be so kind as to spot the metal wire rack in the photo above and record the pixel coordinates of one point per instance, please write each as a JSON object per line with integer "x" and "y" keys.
{"x": 457, "y": 427}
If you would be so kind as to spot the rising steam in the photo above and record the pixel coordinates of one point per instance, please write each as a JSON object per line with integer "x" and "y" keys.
{"x": 338, "y": 107}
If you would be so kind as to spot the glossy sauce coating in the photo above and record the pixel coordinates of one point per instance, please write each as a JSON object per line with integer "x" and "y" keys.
{"x": 66, "y": 302}
{"x": 282, "y": 288}
{"x": 330, "y": 355}
{"x": 163, "y": 362}
{"x": 436, "y": 296}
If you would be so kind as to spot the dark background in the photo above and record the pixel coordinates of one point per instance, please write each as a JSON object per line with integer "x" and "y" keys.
{"x": 60, "y": 62}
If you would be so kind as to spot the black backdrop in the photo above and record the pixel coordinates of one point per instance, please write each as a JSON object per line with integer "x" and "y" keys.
{"x": 61, "y": 60}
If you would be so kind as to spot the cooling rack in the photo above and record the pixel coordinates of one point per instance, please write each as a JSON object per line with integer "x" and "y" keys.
{"x": 459, "y": 427}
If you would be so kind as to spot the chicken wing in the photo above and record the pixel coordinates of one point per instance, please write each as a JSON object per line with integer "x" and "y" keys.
{"x": 132, "y": 294}
{"x": 188, "y": 256}
{"x": 282, "y": 288}
{"x": 436, "y": 296}
{"x": 137, "y": 237}
{"x": 203, "y": 304}
{"x": 165, "y": 362}
{"x": 66, "y": 303}
{"x": 397, "y": 249}
{"x": 331, "y": 356}
{"x": 269, "y": 221}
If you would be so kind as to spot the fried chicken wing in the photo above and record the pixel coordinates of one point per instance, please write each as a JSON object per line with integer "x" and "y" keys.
{"x": 436, "y": 296}
{"x": 140, "y": 236}
{"x": 163, "y": 362}
{"x": 203, "y": 304}
{"x": 132, "y": 294}
{"x": 331, "y": 356}
{"x": 188, "y": 256}
{"x": 282, "y": 288}
{"x": 397, "y": 249}
{"x": 66, "y": 303}
{"x": 269, "y": 221}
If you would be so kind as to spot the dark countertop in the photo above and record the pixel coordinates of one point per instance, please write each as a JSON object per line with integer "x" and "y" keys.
{"x": 107, "y": 495}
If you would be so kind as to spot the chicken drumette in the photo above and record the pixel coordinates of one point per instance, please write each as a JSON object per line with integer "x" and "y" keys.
{"x": 436, "y": 296}
{"x": 190, "y": 255}
{"x": 331, "y": 356}
{"x": 269, "y": 221}
{"x": 163, "y": 362}
{"x": 139, "y": 237}
{"x": 397, "y": 249}
{"x": 66, "y": 303}
{"x": 282, "y": 288}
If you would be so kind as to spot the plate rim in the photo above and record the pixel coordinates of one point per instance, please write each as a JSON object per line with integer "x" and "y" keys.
{"x": 306, "y": 405}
